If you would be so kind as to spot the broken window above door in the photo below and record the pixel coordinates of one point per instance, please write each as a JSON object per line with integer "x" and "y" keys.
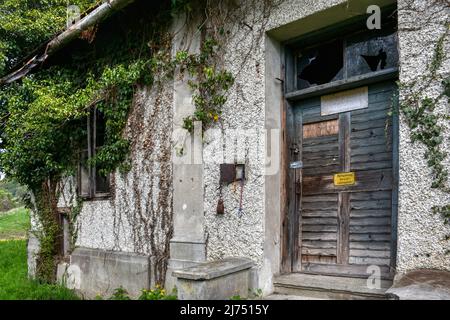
{"x": 355, "y": 54}
{"x": 320, "y": 65}
{"x": 371, "y": 52}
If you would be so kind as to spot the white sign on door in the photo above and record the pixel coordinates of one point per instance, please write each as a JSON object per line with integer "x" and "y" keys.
{"x": 345, "y": 101}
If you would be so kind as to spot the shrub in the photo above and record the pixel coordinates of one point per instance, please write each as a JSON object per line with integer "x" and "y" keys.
{"x": 120, "y": 294}
{"x": 158, "y": 294}
{"x": 7, "y": 201}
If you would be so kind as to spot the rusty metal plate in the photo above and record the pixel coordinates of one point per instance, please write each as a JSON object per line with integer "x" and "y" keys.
{"x": 227, "y": 173}
{"x": 320, "y": 129}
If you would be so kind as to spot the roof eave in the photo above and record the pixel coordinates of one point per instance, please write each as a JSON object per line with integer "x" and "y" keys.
{"x": 99, "y": 14}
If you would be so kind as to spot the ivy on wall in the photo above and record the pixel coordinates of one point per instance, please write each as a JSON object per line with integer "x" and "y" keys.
{"x": 209, "y": 84}
{"x": 426, "y": 123}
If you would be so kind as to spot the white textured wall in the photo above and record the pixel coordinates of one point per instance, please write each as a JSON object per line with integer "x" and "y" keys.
{"x": 421, "y": 235}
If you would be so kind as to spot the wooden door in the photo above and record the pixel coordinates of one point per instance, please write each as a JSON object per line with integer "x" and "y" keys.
{"x": 343, "y": 229}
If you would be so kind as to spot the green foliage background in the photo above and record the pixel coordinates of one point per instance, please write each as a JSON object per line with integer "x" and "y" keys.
{"x": 24, "y": 25}
{"x": 7, "y": 200}
{"x": 43, "y": 116}
{"x": 15, "y": 189}
{"x": 14, "y": 224}
{"x": 14, "y": 281}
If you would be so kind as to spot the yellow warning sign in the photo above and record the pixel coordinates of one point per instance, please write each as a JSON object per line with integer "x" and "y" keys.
{"x": 344, "y": 179}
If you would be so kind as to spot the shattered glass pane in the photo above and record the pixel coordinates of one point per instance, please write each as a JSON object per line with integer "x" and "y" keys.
{"x": 320, "y": 65}
{"x": 371, "y": 52}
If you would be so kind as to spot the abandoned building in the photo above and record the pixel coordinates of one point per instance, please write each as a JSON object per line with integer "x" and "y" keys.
{"x": 308, "y": 184}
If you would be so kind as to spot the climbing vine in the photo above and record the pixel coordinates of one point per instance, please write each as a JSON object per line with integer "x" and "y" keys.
{"x": 209, "y": 85}
{"x": 209, "y": 78}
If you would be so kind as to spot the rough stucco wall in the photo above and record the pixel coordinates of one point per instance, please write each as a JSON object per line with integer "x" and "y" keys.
{"x": 421, "y": 235}
{"x": 232, "y": 234}
{"x": 292, "y": 10}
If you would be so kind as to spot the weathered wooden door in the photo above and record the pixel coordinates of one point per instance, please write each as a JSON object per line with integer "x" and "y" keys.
{"x": 346, "y": 221}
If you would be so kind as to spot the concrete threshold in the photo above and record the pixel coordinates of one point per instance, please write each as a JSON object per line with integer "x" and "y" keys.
{"x": 329, "y": 287}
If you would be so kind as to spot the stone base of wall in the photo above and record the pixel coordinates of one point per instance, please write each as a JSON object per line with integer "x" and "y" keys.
{"x": 93, "y": 272}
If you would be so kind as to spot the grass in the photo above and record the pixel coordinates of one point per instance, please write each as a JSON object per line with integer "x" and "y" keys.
{"x": 14, "y": 282}
{"x": 14, "y": 224}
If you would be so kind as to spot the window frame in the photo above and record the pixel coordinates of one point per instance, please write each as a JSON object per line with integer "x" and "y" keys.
{"x": 92, "y": 194}
{"x": 343, "y": 31}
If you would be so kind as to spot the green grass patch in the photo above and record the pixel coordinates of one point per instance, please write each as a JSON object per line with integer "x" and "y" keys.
{"x": 14, "y": 283}
{"x": 14, "y": 224}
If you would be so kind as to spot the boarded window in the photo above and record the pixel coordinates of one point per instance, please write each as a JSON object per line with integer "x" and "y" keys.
{"x": 320, "y": 129}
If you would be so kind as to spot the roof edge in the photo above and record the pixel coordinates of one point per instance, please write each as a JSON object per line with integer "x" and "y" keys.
{"x": 99, "y": 14}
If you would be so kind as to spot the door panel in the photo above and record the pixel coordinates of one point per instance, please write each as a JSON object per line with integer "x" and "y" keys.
{"x": 319, "y": 228}
{"x": 343, "y": 229}
{"x": 320, "y": 156}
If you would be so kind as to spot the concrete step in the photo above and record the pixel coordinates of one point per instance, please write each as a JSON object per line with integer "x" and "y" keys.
{"x": 328, "y": 287}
